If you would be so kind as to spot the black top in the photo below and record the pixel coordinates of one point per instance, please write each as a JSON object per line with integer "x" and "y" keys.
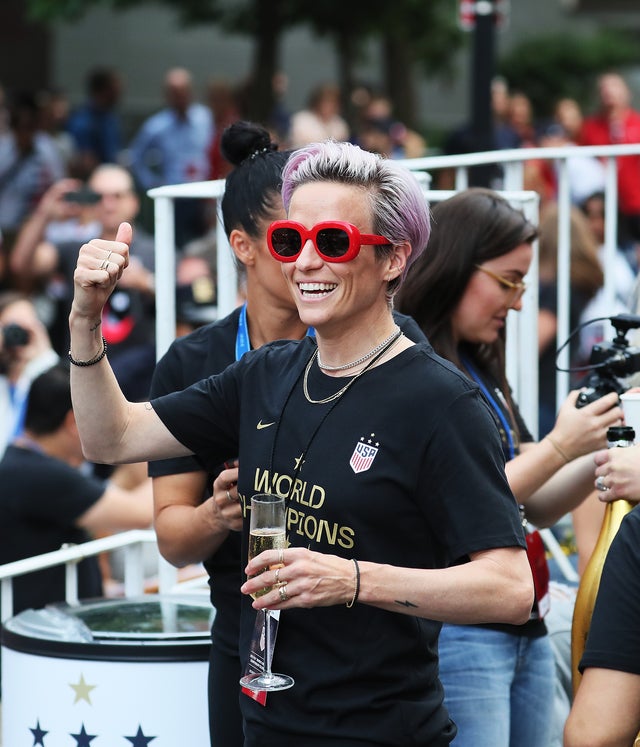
{"x": 432, "y": 491}
{"x": 613, "y": 641}
{"x": 40, "y": 500}
{"x": 206, "y": 351}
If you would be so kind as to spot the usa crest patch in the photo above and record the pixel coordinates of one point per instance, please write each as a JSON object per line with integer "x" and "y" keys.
{"x": 364, "y": 454}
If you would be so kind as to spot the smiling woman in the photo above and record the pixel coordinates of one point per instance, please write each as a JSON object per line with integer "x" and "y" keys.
{"x": 371, "y": 439}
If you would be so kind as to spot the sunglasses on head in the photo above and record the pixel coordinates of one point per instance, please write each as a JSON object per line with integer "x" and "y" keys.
{"x": 334, "y": 240}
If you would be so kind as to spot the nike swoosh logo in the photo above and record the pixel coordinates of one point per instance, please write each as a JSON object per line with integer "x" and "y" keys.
{"x": 262, "y": 425}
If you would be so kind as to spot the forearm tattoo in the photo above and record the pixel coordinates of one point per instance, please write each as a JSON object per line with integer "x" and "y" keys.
{"x": 406, "y": 603}
{"x": 95, "y": 326}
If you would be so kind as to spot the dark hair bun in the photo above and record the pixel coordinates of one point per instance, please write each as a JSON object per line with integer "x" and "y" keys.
{"x": 242, "y": 140}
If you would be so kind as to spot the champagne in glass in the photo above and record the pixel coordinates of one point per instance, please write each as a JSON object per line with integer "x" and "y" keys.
{"x": 268, "y": 538}
{"x": 267, "y": 531}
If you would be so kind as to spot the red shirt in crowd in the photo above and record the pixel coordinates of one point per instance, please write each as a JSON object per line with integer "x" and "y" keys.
{"x": 597, "y": 130}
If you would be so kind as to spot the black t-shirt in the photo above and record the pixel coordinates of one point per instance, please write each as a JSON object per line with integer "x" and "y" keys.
{"x": 432, "y": 491}
{"x": 206, "y": 351}
{"x": 40, "y": 499}
{"x": 613, "y": 641}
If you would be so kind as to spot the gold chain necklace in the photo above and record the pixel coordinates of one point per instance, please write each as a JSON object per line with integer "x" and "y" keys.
{"x": 389, "y": 343}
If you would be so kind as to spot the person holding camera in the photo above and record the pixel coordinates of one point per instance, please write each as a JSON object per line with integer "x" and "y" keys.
{"x": 25, "y": 351}
{"x": 108, "y": 199}
{"x": 498, "y": 679}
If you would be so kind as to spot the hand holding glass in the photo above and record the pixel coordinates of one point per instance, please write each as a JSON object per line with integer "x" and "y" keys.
{"x": 267, "y": 531}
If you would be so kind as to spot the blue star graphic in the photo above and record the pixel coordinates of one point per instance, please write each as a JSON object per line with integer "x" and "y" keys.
{"x": 83, "y": 739}
{"x": 139, "y": 740}
{"x": 38, "y": 734}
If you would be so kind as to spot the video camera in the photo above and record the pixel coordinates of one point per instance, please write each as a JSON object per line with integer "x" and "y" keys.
{"x": 610, "y": 360}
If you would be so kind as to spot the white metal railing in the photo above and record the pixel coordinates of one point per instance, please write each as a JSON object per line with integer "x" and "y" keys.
{"x": 132, "y": 542}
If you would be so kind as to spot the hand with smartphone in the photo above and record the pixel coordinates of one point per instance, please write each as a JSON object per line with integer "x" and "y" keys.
{"x": 83, "y": 196}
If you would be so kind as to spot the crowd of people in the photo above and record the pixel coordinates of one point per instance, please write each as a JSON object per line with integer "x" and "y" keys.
{"x": 366, "y": 357}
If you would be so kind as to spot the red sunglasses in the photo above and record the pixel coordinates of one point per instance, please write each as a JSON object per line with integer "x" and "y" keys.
{"x": 334, "y": 240}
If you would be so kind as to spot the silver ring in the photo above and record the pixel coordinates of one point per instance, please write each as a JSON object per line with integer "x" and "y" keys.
{"x": 104, "y": 265}
{"x": 600, "y": 484}
{"x": 277, "y": 578}
{"x": 282, "y": 590}
{"x": 281, "y": 556}
{"x": 229, "y": 498}
{"x": 108, "y": 255}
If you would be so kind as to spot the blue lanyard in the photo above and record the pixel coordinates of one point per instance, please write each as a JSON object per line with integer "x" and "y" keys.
{"x": 243, "y": 344}
{"x": 496, "y": 407}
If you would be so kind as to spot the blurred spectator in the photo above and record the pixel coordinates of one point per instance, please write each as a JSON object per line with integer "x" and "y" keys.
{"x": 57, "y": 218}
{"x": 25, "y": 351}
{"x": 380, "y": 132}
{"x": 586, "y": 279}
{"x": 172, "y": 147}
{"x": 568, "y": 114}
{"x": 280, "y": 117}
{"x": 586, "y": 174}
{"x": 463, "y": 139}
{"x": 593, "y": 208}
{"x": 223, "y": 103}
{"x": 522, "y": 121}
{"x": 54, "y": 108}
{"x": 321, "y": 119}
{"x": 95, "y": 125}
{"x": 47, "y": 501}
{"x": 624, "y": 280}
{"x": 128, "y": 322}
{"x": 614, "y": 123}
{"x": 29, "y": 165}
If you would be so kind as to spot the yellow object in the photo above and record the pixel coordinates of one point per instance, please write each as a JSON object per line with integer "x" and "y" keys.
{"x": 615, "y": 511}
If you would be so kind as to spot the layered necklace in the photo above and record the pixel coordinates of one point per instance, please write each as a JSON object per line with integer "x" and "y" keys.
{"x": 372, "y": 356}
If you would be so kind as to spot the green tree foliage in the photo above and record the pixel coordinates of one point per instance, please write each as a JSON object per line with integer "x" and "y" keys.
{"x": 553, "y": 66}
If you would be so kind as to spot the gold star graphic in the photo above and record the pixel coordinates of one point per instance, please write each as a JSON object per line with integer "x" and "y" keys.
{"x": 82, "y": 690}
{"x": 298, "y": 461}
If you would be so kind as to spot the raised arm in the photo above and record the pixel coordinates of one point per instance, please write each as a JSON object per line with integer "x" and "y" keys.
{"x": 112, "y": 429}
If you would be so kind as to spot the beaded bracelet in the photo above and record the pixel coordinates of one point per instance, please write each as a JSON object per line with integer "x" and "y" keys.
{"x": 96, "y": 358}
{"x": 356, "y": 590}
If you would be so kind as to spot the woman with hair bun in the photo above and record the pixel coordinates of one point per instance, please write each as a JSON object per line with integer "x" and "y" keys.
{"x": 194, "y": 521}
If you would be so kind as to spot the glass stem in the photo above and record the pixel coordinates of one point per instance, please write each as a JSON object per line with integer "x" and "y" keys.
{"x": 267, "y": 641}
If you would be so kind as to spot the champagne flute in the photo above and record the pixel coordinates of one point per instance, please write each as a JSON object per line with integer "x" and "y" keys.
{"x": 267, "y": 531}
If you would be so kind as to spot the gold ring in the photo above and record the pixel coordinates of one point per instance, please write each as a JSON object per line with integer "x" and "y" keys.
{"x": 281, "y": 556}
{"x": 283, "y": 592}
{"x": 277, "y": 581}
{"x": 229, "y": 498}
